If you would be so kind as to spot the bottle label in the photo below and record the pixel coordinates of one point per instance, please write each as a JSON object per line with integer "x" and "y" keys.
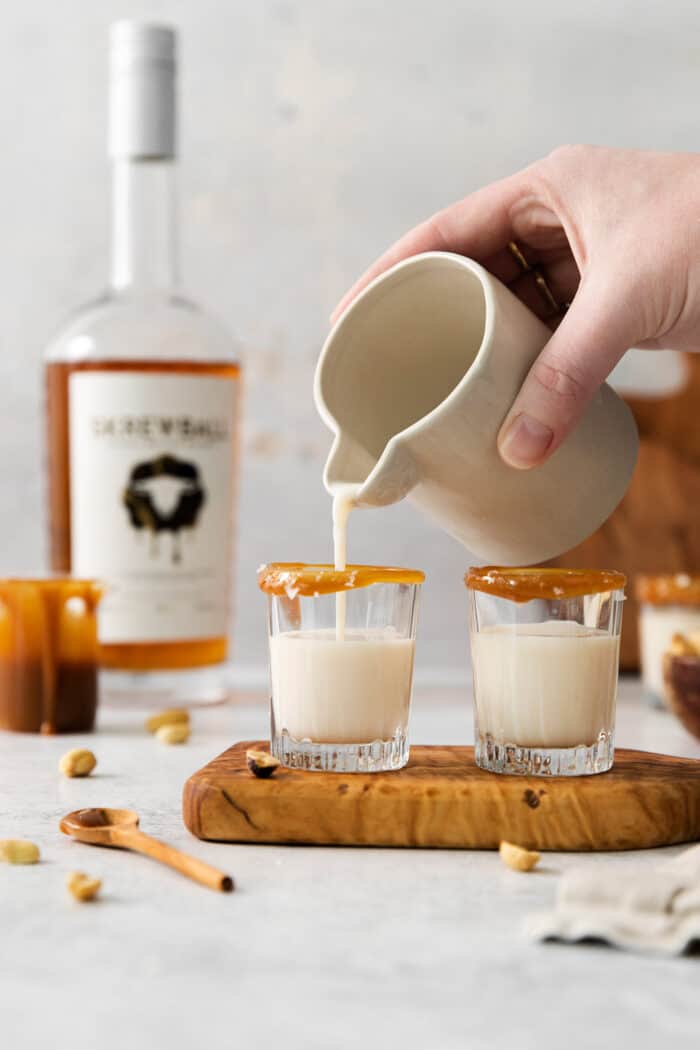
{"x": 152, "y": 474}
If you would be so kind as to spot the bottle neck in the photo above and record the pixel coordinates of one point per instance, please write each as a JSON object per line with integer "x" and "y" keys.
{"x": 144, "y": 250}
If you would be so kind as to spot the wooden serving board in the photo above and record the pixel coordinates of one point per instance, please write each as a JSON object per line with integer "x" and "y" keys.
{"x": 442, "y": 799}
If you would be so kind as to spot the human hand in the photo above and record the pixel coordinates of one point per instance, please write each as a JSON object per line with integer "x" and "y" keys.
{"x": 615, "y": 233}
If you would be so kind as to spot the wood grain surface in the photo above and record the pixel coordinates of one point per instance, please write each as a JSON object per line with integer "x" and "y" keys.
{"x": 656, "y": 527}
{"x": 441, "y": 799}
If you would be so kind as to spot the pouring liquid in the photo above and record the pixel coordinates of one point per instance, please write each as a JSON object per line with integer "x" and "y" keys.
{"x": 344, "y": 499}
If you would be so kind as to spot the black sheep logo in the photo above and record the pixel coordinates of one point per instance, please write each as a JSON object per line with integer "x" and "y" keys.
{"x": 141, "y": 499}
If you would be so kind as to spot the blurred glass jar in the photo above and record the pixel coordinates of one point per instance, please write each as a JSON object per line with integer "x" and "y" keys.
{"x": 668, "y": 604}
{"x": 48, "y": 654}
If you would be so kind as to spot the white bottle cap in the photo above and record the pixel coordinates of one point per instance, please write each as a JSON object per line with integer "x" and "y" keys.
{"x": 142, "y": 90}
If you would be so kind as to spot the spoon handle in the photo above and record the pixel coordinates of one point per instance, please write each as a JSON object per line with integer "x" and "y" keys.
{"x": 174, "y": 858}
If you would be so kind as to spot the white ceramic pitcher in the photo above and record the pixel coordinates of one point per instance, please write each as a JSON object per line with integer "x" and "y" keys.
{"x": 415, "y": 380}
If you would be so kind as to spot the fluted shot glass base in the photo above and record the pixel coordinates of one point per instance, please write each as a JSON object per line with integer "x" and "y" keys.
{"x": 500, "y": 757}
{"x": 375, "y": 756}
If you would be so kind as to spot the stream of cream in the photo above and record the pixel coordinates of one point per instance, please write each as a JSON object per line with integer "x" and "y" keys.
{"x": 344, "y": 498}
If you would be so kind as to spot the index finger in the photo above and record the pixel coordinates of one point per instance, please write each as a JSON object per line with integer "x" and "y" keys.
{"x": 479, "y": 225}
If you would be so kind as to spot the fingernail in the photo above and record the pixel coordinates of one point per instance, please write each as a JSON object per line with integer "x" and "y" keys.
{"x": 525, "y": 442}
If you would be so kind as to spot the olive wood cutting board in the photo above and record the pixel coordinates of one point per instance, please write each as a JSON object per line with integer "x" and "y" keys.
{"x": 441, "y": 799}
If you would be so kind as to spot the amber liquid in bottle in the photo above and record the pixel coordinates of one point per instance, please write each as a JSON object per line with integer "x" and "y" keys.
{"x": 142, "y": 409}
{"x": 182, "y": 654}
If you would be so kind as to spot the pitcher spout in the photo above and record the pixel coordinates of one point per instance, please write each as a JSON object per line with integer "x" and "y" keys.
{"x": 381, "y": 482}
{"x": 347, "y": 463}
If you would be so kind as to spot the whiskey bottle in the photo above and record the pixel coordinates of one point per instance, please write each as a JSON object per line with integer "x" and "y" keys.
{"x": 142, "y": 395}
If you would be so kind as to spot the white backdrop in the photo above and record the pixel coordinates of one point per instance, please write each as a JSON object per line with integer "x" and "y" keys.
{"x": 314, "y": 132}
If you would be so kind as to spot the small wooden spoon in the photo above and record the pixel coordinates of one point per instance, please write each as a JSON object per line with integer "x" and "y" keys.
{"x": 120, "y": 828}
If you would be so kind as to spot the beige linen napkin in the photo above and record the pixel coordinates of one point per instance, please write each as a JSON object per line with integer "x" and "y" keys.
{"x": 655, "y": 911}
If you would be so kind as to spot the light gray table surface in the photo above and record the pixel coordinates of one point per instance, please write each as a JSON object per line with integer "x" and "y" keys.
{"x": 317, "y": 948}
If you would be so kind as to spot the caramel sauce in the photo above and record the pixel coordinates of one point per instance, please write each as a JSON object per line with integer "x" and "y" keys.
{"x": 124, "y": 656}
{"x": 677, "y": 589}
{"x": 296, "y": 579}
{"x": 525, "y": 585}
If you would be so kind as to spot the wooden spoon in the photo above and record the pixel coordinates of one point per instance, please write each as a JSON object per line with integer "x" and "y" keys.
{"x": 120, "y": 827}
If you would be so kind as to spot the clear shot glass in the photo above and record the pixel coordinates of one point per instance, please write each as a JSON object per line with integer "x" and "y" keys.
{"x": 545, "y": 649}
{"x": 342, "y": 644}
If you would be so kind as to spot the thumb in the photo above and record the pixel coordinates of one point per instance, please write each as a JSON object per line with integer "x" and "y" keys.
{"x": 595, "y": 333}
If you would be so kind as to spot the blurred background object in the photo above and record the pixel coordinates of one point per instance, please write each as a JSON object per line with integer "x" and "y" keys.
{"x": 656, "y": 528}
{"x": 143, "y": 411}
{"x": 681, "y": 681}
{"x": 313, "y": 135}
{"x": 669, "y": 613}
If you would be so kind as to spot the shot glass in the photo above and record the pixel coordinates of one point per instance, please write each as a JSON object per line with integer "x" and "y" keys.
{"x": 48, "y": 655}
{"x": 342, "y": 644}
{"x": 545, "y": 649}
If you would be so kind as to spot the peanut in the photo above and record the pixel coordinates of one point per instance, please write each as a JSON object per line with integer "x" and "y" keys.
{"x": 18, "y": 851}
{"x": 517, "y": 858}
{"x": 82, "y": 886}
{"x": 177, "y": 733}
{"x": 172, "y": 716}
{"x": 77, "y": 763}
{"x": 261, "y": 764}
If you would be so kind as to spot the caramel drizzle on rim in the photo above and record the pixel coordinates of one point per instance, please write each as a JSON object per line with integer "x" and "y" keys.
{"x": 525, "y": 585}
{"x": 292, "y": 579}
{"x": 679, "y": 588}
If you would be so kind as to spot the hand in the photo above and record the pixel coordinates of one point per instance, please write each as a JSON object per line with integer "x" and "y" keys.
{"x": 614, "y": 232}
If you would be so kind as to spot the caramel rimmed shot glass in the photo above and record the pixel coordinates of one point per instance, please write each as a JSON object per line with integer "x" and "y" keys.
{"x": 342, "y": 644}
{"x": 48, "y": 654}
{"x": 545, "y": 649}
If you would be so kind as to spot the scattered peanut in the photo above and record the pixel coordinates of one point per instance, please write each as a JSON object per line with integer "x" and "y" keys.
{"x": 18, "y": 851}
{"x": 77, "y": 763}
{"x": 517, "y": 858}
{"x": 172, "y": 716}
{"x": 261, "y": 763}
{"x": 177, "y": 733}
{"x": 82, "y": 886}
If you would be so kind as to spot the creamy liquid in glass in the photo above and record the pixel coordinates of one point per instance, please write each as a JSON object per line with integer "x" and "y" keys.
{"x": 549, "y": 685}
{"x": 343, "y": 692}
{"x": 340, "y": 685}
